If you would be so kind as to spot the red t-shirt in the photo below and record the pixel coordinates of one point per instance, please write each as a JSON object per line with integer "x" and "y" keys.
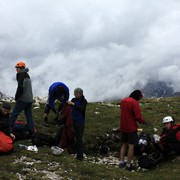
{"x": 130, "y": 115}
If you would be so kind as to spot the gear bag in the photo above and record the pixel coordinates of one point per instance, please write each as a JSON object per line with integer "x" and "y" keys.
{"x": 150, "y": 161}
{"x": 41, "y": 139}
{"x": 6, "y": 143}
{"x": 144, "y": 143}
{"x": 20, "y": 130}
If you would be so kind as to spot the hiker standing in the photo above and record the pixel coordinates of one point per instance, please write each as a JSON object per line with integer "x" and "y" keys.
{"x": 57, "y": 91}
{"x": 169, "y": 139}
{"x": 23, "y": 97}
{"x": 130, "y": 116}
{"x": 78, "y": 115}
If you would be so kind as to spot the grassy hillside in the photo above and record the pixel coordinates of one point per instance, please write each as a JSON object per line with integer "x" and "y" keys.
{"x": 101, "y": 118}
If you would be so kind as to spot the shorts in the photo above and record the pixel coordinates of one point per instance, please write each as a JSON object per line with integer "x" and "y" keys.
{"x": 130, "y": 138}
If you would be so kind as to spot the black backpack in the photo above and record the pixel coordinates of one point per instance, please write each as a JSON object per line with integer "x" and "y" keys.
{"x": 143, "y": 148}
{"x": 41, "y": 139}
{"x": 150, "y": 161}
{"x": 145, "y": 136}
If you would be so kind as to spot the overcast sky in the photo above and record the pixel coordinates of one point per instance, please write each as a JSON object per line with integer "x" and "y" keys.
{"x": 106, "y": 47}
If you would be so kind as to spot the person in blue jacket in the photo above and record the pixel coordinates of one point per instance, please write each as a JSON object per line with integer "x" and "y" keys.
{"x": 57, "y": 91}
{"x": 78, "y": 104}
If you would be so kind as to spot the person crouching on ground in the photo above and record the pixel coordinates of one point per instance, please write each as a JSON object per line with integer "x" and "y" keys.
{"x": 169, "y": 140}
{"x": 4, "y": 119}
{"x": 57, "y": 91}
{"x": 78, "y": 115}
{"x": 130, "y": 116}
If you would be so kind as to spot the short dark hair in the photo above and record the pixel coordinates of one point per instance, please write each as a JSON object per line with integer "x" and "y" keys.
{"x": 137, "y": 95}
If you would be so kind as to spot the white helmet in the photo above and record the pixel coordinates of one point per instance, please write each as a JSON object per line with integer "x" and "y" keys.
{"x": 167, "y": 119}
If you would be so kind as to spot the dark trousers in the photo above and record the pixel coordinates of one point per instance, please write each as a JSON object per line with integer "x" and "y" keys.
{"x": 174, "y": 146}
{"x": 168, "y": 147}
{"x": 18, "y": 108}
{"x": 79, "y": 130}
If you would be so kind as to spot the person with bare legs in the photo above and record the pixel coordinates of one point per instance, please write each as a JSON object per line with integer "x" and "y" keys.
{"x": 130, "y": 116}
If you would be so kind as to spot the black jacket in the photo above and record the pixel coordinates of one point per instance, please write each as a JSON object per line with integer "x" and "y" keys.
{"x": 4, "y": 123}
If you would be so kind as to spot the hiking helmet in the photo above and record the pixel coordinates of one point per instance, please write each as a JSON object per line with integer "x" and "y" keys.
{"x": 168, "y": 119}
{"x": 20, "y": 65}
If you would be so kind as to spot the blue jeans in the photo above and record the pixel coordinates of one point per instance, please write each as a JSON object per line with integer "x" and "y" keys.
{"x": 18, "y": 108}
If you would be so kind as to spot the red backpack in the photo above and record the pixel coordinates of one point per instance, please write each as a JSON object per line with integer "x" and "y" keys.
{"x": 6, "y": 143}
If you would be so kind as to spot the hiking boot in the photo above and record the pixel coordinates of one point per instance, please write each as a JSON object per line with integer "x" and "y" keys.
{"x": 79, "y": 158}
{"x": 130, "y": 168}
{"x": 122, "y": 165}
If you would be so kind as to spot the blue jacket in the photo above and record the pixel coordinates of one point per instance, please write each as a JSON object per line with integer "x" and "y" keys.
{"x": 54, "y": 93}
{"x": 78, "y": 110}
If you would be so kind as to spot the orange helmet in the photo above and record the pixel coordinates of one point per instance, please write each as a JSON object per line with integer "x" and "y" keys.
{"x": 20, "y": 65}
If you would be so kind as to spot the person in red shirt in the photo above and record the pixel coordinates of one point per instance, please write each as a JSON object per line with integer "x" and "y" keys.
{"x": 130, "y": 117}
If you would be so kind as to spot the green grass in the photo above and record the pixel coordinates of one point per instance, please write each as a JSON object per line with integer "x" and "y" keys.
{"x": 101, "y": 118}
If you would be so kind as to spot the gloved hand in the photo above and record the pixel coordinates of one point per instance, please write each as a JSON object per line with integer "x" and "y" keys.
{"x": 156, "y": 138}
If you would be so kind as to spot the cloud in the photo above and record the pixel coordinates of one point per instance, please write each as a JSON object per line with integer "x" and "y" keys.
{"x": 104, "y": 47}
